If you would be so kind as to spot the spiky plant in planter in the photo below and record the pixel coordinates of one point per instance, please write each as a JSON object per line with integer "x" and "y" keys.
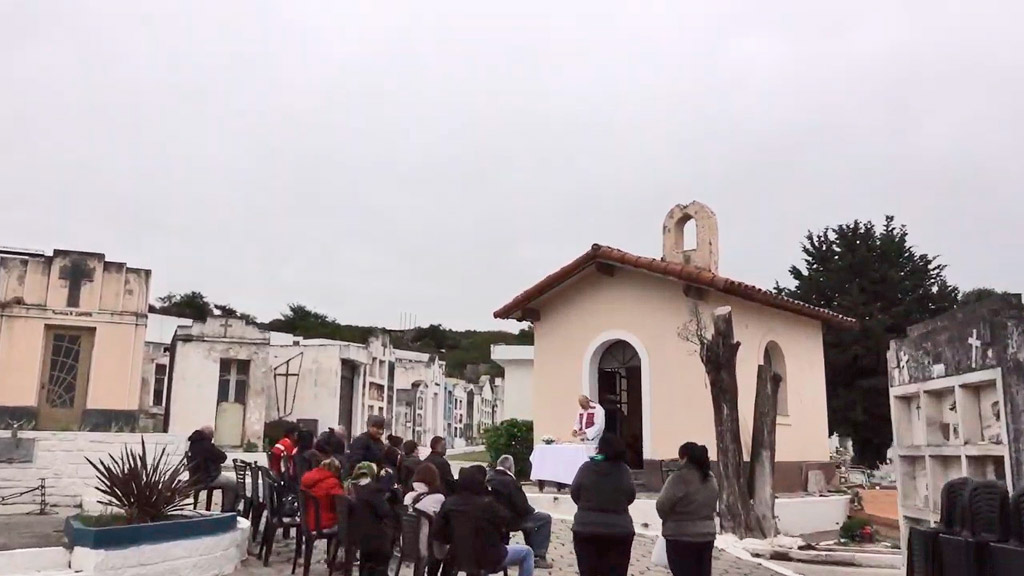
{"x": 145, "y": 490}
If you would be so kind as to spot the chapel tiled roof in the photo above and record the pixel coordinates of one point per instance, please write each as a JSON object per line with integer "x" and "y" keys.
{"x": 673, "y": 270}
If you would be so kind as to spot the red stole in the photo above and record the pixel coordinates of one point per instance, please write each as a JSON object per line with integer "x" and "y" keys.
{"x": 590, "y": 419}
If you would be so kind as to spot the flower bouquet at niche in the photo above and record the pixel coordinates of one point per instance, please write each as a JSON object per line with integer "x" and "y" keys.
{"x": 548, "y": 440}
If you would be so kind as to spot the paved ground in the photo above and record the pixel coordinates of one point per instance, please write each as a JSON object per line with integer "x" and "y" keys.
{"x": 31, "y": 531}
{"x": 814, "y": 570}
{"x": 560, "y": 553}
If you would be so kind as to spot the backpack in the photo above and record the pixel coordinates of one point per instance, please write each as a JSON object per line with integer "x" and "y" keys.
{"x": 289, "y": 506}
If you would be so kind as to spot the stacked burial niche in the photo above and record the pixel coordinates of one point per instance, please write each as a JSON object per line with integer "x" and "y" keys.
{"x": 956, "y": 389}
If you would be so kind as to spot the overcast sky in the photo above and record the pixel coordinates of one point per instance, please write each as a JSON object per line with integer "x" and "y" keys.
{"x": 369, "y": 158}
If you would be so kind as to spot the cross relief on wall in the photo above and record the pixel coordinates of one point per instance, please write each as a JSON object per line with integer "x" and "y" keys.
{"x": 76, "y": 273}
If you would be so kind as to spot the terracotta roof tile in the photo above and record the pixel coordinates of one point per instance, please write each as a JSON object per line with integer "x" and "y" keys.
{"x": 672, "y": 270}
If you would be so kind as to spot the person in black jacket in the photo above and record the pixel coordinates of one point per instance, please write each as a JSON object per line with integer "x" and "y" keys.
{"x": 535, "y": 526}
{"x": 334, "y": 440}
{"x": 367, "y": 447}
{"x": 373, "y": 519}
{"x": 305, "y": 459}
{"x": 438, "y": 448}
{"x": 204, "y": 467}
{"x": 602, "y": 530}
{"x": 410, "y": 462}
{"x": 473, "y": 526}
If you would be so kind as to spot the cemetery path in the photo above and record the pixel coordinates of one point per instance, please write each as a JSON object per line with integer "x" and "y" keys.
{"x": 30, "y": 531}
{"x": 560, "y": 553}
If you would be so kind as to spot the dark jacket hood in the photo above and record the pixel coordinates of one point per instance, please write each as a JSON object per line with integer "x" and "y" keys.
{"x": 472, "y": 482}
{"x": 198, "y": 436}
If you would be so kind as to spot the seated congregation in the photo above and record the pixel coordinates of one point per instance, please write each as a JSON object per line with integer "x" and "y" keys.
{"x": 371, "y": 500}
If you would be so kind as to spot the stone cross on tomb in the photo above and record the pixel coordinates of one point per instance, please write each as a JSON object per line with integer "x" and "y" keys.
{"x": 975, "y": 345}
{"x": 76, "y": 273}
{"x": 225, "y": 325}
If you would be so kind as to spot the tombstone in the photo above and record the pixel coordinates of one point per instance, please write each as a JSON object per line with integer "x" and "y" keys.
{"x": 311, "y": 424}
{"x": 816, "y": 483}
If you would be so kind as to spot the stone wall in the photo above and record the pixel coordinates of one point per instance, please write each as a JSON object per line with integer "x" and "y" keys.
{"x": 60, "y": 457}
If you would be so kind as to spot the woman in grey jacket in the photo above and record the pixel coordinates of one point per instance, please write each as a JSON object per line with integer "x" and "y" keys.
{"x": 687, "y": 506}
{"x": 602, "y": 530}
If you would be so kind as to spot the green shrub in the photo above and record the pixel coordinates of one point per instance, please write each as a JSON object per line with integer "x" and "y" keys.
{"x": 850, "y": 530}
{"x": 513, "y": 437}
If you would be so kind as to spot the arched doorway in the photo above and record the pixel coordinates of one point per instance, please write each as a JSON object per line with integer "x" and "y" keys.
{"x": 619, "y": 393}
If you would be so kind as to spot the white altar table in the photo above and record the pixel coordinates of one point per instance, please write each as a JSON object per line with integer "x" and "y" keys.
{"x": 559, "y": 462}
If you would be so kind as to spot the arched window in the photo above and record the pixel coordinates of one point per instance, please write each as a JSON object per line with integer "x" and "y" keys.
{"x": 621, "y": 354}
{"x": 776, "y": 362}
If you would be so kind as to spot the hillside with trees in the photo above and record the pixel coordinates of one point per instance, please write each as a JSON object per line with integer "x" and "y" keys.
{"x": 467, "y": 353}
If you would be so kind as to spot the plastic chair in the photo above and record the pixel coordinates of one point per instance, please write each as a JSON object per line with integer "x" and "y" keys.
{"x": 309, "y": 509}
{"x": 197, "y": 485}
{"x": 923, "y": 552}
{"x": 274, "y": 492}
{"x": 241, "y": 468}
{"x": 343, "y": 540}
{"x": 1007, "y": 558}
{"x": 258, "y": 497}
{"x": 985, "y": 511}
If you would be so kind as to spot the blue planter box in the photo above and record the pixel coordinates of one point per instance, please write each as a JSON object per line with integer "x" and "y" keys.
{"x": 123, "y": 536}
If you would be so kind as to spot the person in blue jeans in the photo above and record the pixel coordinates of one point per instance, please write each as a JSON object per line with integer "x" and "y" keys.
{"x": 473, "y": 526}
{"x": 535, "y": 526}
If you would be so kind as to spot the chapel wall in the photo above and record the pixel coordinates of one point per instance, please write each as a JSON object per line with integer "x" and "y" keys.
{"x": 653, "y": 310}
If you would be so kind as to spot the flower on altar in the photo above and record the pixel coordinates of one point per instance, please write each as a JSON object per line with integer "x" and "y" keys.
{"x": 548, "y": 439}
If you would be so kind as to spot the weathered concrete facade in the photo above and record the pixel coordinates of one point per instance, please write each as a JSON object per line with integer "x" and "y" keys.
{"x": 417, "y": 378}
{"x": 987, "y": 335}
{"x": 220, "y": 376}
{"x": 72, "y": 327}
{"x": 236, "y": 377}
{"x": 957, "y": 399}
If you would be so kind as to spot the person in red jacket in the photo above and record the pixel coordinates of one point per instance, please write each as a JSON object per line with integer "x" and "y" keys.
{"x": 285, "y": 448}
{"x": 323, "y": 483}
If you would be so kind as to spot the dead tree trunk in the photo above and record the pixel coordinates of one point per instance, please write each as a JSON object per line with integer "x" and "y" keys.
{"x": 719, "y": 357}
{"x": 760, "y": 479}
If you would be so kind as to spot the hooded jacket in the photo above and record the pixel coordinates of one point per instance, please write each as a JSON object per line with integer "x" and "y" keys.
{"x": 603, "y": 491}
{"x": 509, "y": 493}
{"x": 204, "y": 459}
{"x": 473, "y": 525}
{"x": 687, "y": 506}
{"x": 323, "y": 486}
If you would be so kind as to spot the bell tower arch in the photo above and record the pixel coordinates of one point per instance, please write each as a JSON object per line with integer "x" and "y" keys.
{"x": 705, "y": 254}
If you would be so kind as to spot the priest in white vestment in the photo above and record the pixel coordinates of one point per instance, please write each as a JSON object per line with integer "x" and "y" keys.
{"x": 589, "y": 421}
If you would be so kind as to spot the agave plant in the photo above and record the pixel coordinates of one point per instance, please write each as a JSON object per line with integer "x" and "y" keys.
{"x": 145, "y": 490}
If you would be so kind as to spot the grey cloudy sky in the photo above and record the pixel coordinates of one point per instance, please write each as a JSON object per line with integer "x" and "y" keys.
{"x": 367, "y": 158}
